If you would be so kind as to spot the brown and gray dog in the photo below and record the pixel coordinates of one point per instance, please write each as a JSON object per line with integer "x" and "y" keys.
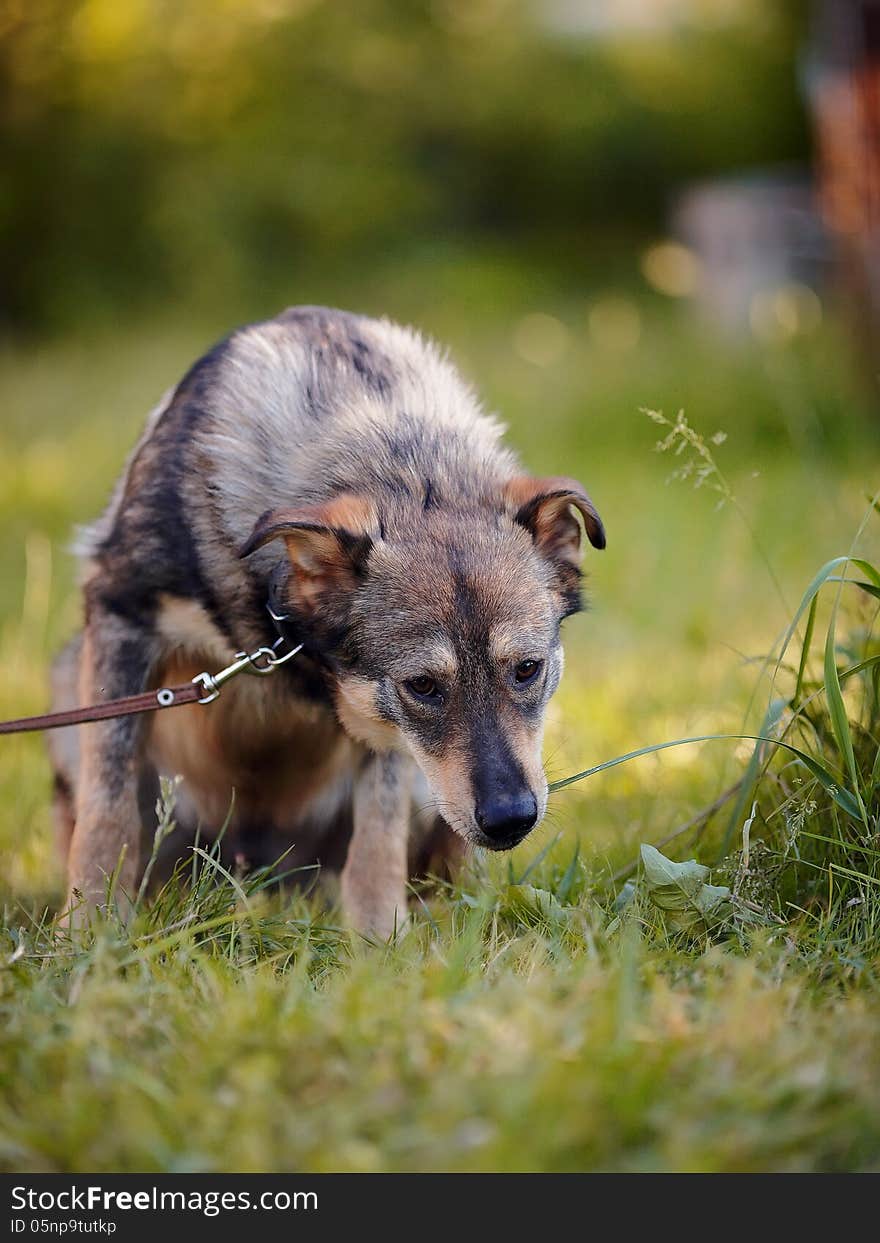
{"x": 343, "y": 460}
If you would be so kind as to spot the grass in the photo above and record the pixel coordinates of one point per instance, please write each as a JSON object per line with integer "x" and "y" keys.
{"x": 543, "y": 1014}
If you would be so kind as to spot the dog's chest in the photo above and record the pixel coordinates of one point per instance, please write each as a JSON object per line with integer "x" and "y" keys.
{"x": 274, "y": 760}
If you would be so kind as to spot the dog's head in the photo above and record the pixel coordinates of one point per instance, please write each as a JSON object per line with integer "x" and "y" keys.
{"x": 443, "y": 625}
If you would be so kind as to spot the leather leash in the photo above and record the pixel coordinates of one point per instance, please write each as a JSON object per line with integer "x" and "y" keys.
{"x": 203, "y": 689}
{"x": 127, "y": 706}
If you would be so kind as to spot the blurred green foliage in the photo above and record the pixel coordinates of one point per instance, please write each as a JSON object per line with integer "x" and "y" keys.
{"x": 214, "y": 151}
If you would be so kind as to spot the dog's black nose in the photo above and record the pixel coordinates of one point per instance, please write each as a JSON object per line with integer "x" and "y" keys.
{"x": 507, "y": 817}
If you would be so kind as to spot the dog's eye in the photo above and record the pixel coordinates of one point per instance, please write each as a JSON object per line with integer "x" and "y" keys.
{"x": 527, "y": 670}
{"x": 424, "y": 688}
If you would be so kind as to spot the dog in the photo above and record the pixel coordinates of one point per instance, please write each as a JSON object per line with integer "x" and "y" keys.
{"x": 339, "y": 465}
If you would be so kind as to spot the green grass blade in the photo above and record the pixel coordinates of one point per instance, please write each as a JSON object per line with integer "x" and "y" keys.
{"x": 875, "y": 775}
{"x": 825, "y": 575}
{"x": 833, "y": 841}
{"x": 805, "y": 651}
{"x": 750, "y": 777}
{"x": 855, "y": 582}
{"x": 867, "y": 568}
{"x": 837, "y": 712}
{"x": 824, "y": 776}
{"x": 854, "y": 875}
{"x": 809, "y": 595}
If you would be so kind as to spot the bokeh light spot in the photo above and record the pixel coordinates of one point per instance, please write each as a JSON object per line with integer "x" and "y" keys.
{"x": 615, "y": 324}
{"x": 671, "y": 269}
{"x": 540, "y": 339}
{"x": 778, "y": 315}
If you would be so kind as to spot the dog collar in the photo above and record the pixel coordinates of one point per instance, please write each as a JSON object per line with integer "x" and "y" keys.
{"x": 283, "y": 623}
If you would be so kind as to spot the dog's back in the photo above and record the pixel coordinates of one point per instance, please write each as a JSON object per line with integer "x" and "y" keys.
{"x": 291, "y": 411}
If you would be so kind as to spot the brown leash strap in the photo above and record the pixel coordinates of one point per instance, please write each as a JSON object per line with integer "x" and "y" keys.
{"x": 149, "y": 701}
{"x": 203, "y": 689}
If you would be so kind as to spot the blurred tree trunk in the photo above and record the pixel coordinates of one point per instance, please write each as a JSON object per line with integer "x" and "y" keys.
{"x": 845, "y": 94}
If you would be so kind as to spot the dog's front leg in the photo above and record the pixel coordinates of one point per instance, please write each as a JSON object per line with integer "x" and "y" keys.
{"x": 375, "y": 872}
{"x": 115, "y": 661}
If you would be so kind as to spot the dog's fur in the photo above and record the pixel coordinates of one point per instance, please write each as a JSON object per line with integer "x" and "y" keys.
{"x": 425, "y": 573}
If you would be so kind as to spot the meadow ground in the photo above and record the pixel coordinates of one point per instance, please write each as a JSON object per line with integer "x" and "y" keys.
{"x": 533, "y": 1019}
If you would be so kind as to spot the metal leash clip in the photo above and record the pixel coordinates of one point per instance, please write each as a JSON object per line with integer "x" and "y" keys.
{"x": 261, "y": 661}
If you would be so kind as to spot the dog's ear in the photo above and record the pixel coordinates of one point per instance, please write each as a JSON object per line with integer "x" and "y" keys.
{"x": 328, "y": 545}
{"x": 544, "y": 508}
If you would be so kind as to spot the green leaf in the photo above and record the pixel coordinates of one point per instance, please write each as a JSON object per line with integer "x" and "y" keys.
{"x": 662, "y": 873}
{"x": 625, "y": 896}
{"x": 680, "y": 891}
{"x": 535, "y": 908}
